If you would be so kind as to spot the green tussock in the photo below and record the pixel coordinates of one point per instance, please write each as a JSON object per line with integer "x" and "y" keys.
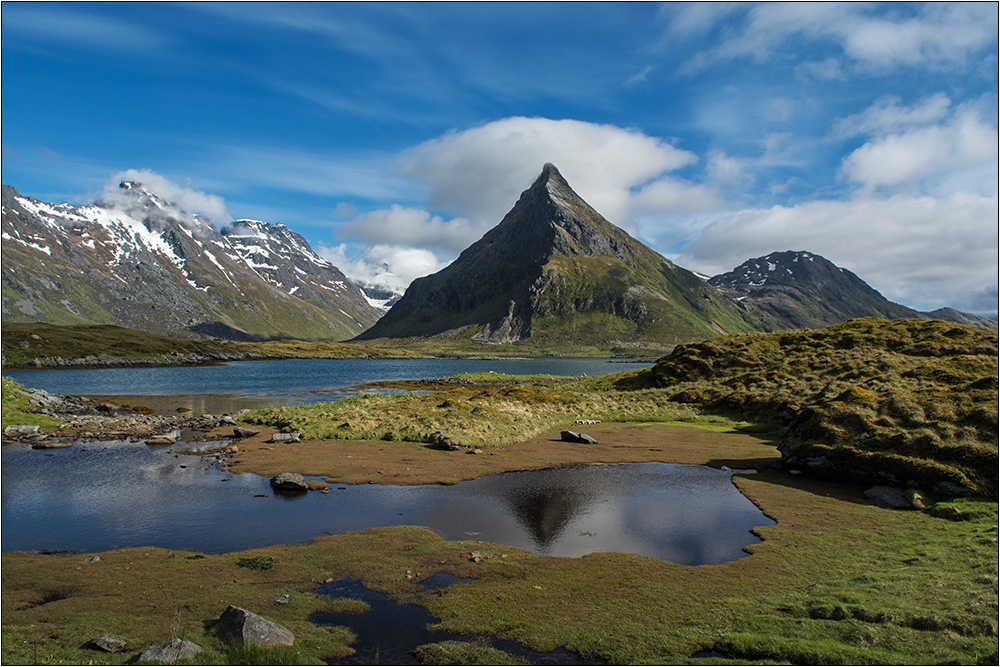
{"x": 914, "y": 398}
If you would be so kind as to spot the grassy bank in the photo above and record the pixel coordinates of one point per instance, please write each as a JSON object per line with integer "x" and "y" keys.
{"x": 835, "y": 581}
{"x": 90, "y": 345}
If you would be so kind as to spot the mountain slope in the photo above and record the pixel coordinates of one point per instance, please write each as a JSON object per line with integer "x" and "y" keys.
{"x": 802, "y": 290}
{"x": 139, "y": 261}
{"x": 555, "y": 271}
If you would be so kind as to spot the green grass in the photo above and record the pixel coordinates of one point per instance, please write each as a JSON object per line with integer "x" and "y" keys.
{"x": 18, "y": 408}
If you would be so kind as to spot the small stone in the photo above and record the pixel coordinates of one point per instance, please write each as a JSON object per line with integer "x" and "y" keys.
{"x": 226, "y": 420}
{"x": 109, "y": 643}
{"x": 474, "y": 451}
{"x": 171, "y": 652}
{"x": 245, "y": 432}
{"x": 90, "y": 560}
{"x": 286, "y": 437}
{"x": 160, "y": 440}
{"x": 283, "y": 599}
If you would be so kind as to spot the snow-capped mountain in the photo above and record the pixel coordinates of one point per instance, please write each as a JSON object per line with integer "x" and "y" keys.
{"x": 801, "y": 290}
{"x": 140, "y": 261}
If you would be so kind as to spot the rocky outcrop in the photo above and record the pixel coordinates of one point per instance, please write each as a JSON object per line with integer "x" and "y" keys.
{"x": 241, "y": 627}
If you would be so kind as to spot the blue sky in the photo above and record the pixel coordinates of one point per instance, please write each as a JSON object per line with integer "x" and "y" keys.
{"x": 394, "y": 135}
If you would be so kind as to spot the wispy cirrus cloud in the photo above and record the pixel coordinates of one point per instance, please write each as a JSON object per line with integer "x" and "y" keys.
{"x": 861, "y": 35}
{"x": 71, "y": 28}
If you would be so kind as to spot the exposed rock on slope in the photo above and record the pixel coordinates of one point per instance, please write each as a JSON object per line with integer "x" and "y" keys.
{"x": 554, "y": 270}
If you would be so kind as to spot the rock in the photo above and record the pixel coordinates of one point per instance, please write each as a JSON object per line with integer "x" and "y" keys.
{"x": 171, "y": 652}
{"x": 289, "y": 481}
{"x": 286, "y": 437}
{"x": 244, "y": 432}
{"x": 161, "y": 440}
{"x": 588, "y": 421}
{"x": 90, "y": 560}
{"x": 226, "y": 420}
{"x": 474, "y": 451}
{"x": 21, "y": 429}
{"x": 890, "y": 497}
{"x": 108, "y": 643}
{"x": 582, "y": 438}
{"x": 51, "y": 444}
{"x": 950, "y": 489}
{"x": 239, "y": 626}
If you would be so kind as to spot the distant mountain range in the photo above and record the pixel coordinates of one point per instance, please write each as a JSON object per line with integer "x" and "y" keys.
{"x": 139, "y": 261}
{"x": 801, "y": 290}
{"x": 553, "y": 272}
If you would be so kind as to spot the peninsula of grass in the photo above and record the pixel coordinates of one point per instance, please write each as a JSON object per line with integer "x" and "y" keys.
{"x": 39, "y": 344}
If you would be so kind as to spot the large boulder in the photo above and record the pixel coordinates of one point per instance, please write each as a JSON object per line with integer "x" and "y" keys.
{"x": 241, "y": 627}
{"x": 890, "y": 497}
{"x": 289, "y": 481}
{"x": 171, "y": 652}
{"x": 581, "y": 438}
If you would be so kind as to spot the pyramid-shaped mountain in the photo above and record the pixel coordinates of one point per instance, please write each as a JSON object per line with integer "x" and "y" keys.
{"x": 556, "y": 272}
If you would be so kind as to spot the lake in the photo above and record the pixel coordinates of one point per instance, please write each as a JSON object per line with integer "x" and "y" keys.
{"x": 99, "y": 496}
{"x": 255, "y": 384}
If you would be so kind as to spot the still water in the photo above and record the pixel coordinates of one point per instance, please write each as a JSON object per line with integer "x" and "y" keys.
{"x": 285, "y": 382}
{"x": 98, "y": 496}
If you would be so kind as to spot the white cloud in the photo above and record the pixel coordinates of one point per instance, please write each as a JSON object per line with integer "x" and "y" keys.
{"x": 398, "y": 225}
{"x": 886, "y": 115}
{"x": 478, "y": 173}
{"x": 961, "y": 144}
{"x": 391, "y": 266}
{"x": 872, "y": 38}
{"x": 725, "y": 169}
{"x": 186, "y": 198}
{"x": 924, "y": 251}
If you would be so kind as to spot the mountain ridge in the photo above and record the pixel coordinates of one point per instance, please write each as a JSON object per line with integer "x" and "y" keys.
{"x": 137, "y": 260}
{"x": 803, "y": 290}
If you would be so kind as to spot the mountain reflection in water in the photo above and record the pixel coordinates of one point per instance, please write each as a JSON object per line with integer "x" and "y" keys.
{"x": 103, "y": 495}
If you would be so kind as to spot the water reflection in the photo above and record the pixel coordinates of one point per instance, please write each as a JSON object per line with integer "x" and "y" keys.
{"x": 129, "y": 494}
{"x": 546, "y": 511}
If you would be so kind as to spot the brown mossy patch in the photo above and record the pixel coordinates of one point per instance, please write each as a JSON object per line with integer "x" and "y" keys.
{"x": 397, "y": 462}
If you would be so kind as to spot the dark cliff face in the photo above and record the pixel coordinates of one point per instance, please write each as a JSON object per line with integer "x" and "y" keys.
{"x": 546, "y": 258}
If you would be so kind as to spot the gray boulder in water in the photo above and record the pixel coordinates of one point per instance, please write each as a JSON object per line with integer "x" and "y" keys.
{"x": 289, "y": 481}
{"x": 241, "y": 627}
